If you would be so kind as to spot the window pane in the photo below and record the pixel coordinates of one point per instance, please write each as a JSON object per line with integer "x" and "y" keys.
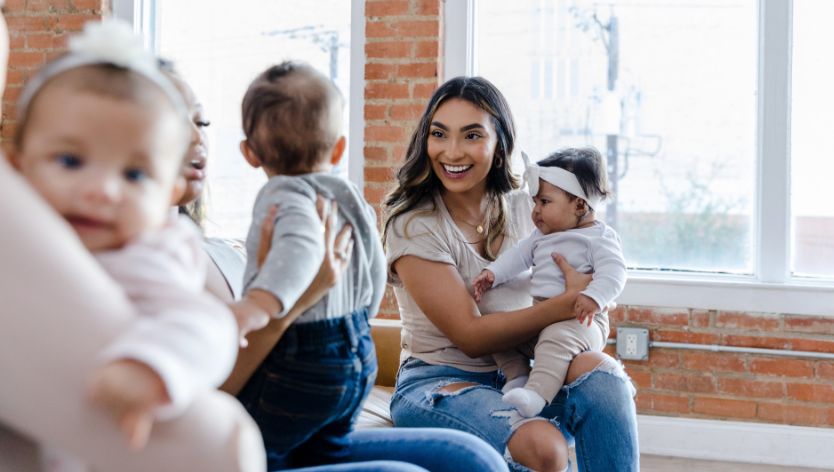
{"x": 219, "y": 47}
{"x": 666, "y": 87}
{"x": 812, "y": 125}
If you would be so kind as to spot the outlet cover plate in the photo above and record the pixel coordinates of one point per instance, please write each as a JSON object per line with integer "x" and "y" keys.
{"x": 632, "y": 343}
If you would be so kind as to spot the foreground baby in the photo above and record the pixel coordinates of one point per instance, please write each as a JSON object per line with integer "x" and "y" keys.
{"x": 102, "y": 136}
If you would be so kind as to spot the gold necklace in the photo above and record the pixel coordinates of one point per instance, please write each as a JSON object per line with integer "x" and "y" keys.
{"x": 479, "y": 228}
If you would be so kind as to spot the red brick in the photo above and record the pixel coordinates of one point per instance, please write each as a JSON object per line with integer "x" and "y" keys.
{"x": 72, "y": 22}
{"x": 90, "y": 5}
{"x": 809, "y": 324}
{"x": 17, "y": 40}
{"x": 418, "y": 29}
{"x": 792, "y": 414}
{"x": 16, "y": 77}
{"x": 35, "y": 24}
{"x": 407, "y": 111}
{"x": 380, "y": 71}
{"x": 418, "y": 69}
{"x": 385, "y": 90}
{"x": 426, "y": 49}
{"x": 375, "y": 195}
{"x": 715, "y": 362}
{"x": 700, "y": 318}
{"x": 428, "y": 7}
{"x": 742, "y": 387}
{"x": 424, "y": 90}
{"x": 384, "y": 133}
{"x": 380, "y": 174}
{"x": 388, "y": 49}
{"x": 386, "y": 8}
{"x": 616, "y": 316}
{"x": 26, "y": 60}
{"x": 379, "y": 29}
{"x": 685, "y": 336}
{"x": 814, "y": 345}
{"x": 45, "y": 6}
{"x": 669, "y": 381}
{"x": 781, "y": 367}
{"x": 764, "y": 342}
{"x": 825, "y": 370}
{"x": 376, "y": 112}
{"x": 744, "y": 321}
{"x": 14, "y": 6}
{"x": 662, "y": 316}
{"x": 723, "y": 407}
{"x": 375, "y": 153}
{"x": 817, "y": 393}
{"x": 664, "y": 358}
{"x": 40, "y": 40}
{"x": 662, "y": 403}
{"x": 697, "y": 382}
{"x": 641, "y": 378}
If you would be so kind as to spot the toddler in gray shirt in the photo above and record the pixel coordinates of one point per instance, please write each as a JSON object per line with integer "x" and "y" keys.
{"x": 307, "y": 391}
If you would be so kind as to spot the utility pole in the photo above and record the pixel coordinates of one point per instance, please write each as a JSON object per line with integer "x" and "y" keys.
{"x": 612, "y": 139}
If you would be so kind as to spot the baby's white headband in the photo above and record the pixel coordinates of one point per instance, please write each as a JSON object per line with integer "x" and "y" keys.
{"x": 557, "y": 176}
{"x": 107, "y": 42}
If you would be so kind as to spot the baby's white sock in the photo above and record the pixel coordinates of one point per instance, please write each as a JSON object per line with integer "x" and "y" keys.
{"x": 517, "y": 382}
{"x": 527, "y": 402}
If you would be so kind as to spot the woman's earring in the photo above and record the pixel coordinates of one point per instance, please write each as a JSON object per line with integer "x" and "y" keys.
{"x": 498, "y": 162}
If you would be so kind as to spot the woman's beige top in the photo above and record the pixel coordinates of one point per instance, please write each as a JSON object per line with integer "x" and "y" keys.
{"x": 433, "y": 236}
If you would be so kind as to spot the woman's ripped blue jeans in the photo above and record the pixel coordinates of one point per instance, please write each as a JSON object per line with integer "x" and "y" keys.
{"x": 596, "y": 412}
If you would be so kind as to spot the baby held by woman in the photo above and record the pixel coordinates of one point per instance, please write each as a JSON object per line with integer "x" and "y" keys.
{"x": 101, "y": 136}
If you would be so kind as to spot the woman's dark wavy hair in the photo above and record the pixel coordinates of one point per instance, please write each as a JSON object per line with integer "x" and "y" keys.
{"x": 416, "y": 181}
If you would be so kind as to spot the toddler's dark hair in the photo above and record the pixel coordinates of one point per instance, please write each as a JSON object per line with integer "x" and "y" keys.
{"x": 289, "y": 117}
{"x": 587, "y": 165}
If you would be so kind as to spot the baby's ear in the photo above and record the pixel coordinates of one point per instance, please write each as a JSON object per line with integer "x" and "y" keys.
{"x": 249, "y": 154}
{"x": 581, "y": 206}
{"x": 178, "y": 191}
{"x": 338, "y": 151}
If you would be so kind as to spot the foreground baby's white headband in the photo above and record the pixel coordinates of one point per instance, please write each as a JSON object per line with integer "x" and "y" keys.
{"x": 107, "y": 42}
{"x": 557, "y": 176}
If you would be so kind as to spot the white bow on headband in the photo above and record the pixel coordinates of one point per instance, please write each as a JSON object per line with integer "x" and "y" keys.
{"x": 557, "y": 176}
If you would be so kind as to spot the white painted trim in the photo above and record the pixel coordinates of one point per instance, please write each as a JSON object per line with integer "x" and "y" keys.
{"x": 356, "y": 145}
{"x": 458, "y": 38}
{"x": 735, "y": 441}
{"x": 717, "y": 292}
{"x": 773, "y": 143}
{"x": 125, "y": 10}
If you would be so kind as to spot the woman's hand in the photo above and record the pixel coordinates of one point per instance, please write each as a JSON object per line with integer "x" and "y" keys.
{"x": 575, "y": 281}
{"x": 337, "y": 248}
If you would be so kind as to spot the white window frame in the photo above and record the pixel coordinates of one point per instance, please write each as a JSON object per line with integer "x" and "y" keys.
{"x": 140, "y": 13}
{"x": 771, "y": 289}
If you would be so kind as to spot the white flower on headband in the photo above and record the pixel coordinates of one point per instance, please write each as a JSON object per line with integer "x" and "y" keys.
{"x": 113, "y": 41}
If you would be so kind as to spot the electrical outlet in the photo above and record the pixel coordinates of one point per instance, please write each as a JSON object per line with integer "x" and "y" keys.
{"x": 632, "y": 343}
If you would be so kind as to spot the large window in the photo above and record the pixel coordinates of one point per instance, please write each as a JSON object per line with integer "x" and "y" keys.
{"x": 714, "y": 116}
{"x": 219, "y": 47}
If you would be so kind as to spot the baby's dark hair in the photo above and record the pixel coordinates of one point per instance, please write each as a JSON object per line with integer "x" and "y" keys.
{"x": 292, "y": 117}
{"x": 587, "y": 165}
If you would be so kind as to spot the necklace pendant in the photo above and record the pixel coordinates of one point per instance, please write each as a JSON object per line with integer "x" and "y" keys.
{"x": 479, "y": 229}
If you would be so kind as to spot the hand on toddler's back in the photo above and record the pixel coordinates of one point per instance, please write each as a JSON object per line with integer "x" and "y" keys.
{"x": 129, "y": 391}
{"x": 482, "y": 283}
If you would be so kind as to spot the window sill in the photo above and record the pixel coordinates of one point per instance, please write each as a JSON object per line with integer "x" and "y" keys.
{"x": 728, "y": 293}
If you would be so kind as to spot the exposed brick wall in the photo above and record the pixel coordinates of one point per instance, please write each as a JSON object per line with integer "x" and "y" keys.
{"x": 738, "y": 386}
{"x": 402, "y": 60}
{"x": 38, "y": 31}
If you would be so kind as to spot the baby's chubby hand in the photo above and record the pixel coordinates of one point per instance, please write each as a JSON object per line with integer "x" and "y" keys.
{"x": 482, "y": 283}
{"x": 585, "y": 308}
{"x": 129, "y": 391}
